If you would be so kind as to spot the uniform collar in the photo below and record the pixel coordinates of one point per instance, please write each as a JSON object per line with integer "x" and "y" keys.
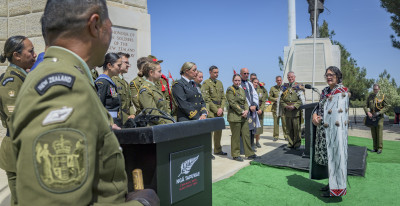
{"x": 186, "y": 79}
{"x": 72, "y": 57}
{"x": 19, "y": 68}
{"x": 152, "y": 83}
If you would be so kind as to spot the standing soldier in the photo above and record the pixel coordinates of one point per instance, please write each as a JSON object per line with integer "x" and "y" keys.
{"x": 137, "y": 83}
{"x": 262, "y": 97}
{"x": 127, "y": 109}
{"x": 213, "y": 93}
{"x": 375, "y": 108}
{"x": 273, "y": 97}
{"x": 164, "y": 87}
{"x": 20, "y": 53}
{"x": 66, "y": 152}
{"x": 290, "y": 103}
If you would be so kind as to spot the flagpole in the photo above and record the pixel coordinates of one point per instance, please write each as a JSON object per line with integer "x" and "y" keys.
{"x": 314, "y": 44}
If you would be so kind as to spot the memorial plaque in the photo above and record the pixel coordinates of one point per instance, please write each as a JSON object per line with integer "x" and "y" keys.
{"x": 125, "y": 40}
{"x": 187, "y": 173}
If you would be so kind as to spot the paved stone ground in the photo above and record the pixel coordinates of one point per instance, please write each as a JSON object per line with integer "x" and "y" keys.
{"x": 223, "y": 166}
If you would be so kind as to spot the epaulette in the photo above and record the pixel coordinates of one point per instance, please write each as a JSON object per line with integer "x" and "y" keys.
{"x": 18, "y": 75}
{"x": 233, "y": 90}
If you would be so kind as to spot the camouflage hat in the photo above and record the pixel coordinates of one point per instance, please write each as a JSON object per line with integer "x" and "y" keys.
{"x": 154, "y": 59}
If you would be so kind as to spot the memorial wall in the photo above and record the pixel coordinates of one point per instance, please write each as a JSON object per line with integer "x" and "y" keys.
{"x": 130, "y": 18}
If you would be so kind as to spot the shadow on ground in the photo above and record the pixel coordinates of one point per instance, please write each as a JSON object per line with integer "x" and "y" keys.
{"x": 311, "y": 187}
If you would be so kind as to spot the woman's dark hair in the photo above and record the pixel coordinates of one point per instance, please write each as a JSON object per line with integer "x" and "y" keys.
{"x": 110, "y": 58}
{"x": 13, "y": 44}
{"x": 337, "y": 72}
{"x": 236, "y": 75}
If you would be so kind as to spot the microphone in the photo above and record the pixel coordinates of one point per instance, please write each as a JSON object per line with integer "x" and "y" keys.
{"x": 308, "y": 86}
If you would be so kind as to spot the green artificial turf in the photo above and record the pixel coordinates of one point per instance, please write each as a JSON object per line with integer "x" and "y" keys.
{"x": 258, "y": 184}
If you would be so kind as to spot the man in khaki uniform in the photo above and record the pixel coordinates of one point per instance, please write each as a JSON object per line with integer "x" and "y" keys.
{"x": 136, "y": 83}
{"x": 273, "y": 97}
{"x": 213, "y": 93}
{"x": 66, "y": 152}
{"x": 127, "y": 108}
{"x": 375, "y": 107}
{"x": 290, "y": 103}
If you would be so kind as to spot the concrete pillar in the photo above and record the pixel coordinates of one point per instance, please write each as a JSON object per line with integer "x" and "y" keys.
{"x": 291, "y": 21}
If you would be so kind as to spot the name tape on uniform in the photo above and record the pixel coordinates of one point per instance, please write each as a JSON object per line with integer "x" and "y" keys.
{"x": 54, "y": 79}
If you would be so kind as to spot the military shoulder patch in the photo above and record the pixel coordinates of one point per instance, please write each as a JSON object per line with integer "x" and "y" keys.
{"x": 50, "y": 80}
{"x": 57, "y": 116}
{"x": 60, "y": 159}
{"x": 142, "y": 90}
{"x": 9, "y": 79}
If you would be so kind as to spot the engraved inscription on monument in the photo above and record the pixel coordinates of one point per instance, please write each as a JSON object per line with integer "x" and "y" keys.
{"x": 125, "y": 40}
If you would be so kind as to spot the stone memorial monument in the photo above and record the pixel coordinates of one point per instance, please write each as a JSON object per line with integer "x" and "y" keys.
{"x": 130, "y": 18}
{"x": 299, "y": 56}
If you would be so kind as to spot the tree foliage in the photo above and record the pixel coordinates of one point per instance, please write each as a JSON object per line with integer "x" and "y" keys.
{"x": 354, "y": 77}
{"x": 393, "y": 7}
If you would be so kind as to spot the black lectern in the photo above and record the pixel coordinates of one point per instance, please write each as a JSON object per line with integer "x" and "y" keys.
{"x": 308, "y": 126}
{"x": 175, "y": 159}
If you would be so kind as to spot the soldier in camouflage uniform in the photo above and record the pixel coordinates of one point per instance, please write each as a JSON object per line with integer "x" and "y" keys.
{"x": 213, "y": 93}
{"x": 67, "y": 153}
{"x": 127, "y": 108}
{"x": 290, "y": 103}
{"x": 19, "y": 51}
{"x": 375, "y": 107}
{"x": 273, "y": 97}
{"x": 262, "y": 98}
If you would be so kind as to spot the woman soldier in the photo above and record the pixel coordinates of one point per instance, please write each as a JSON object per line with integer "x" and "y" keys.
{"x": 237, "y": 118}
{"x": 191, "y": 105}
{"x": 262, "y": 97}
{"x": 106, "y": 88}
{"x": 150, "y": 96}
{"x": 19, "y": 52}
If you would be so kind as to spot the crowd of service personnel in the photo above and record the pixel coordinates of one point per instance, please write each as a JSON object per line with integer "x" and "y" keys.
{"x": 65, "y": 113}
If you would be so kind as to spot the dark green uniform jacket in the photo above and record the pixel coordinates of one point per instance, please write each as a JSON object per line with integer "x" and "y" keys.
{"x": 213, "y": 93}
{"x": 290, "y": 98}
{"x": 262, "y": 98}
{"x": 376, "y": 103}
{"x": 150, "y": 96}
{"x": 237, "y": 104}
{"x": 124, "y": 92}
{"x": 67, "y": 152}
{"x": 135, "y": 86}
{"x": 273, "y": 96}
{"x": 190, "y": 102}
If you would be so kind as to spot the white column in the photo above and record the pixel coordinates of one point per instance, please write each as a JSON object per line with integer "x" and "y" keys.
{"x": 291, "y": 21}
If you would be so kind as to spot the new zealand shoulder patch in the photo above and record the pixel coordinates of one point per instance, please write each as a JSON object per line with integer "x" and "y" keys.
{"x": 50, "y": 80}
{"x": 9, "y": 79}
{"x": 61, "y": 160}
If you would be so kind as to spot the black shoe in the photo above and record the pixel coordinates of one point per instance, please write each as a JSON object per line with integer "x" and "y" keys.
{"x": 275, "y": 139}
{"x": 374, "y": 150}
{"x": 258, "y": 145}
{"x": 379, "y": 151}
{"x": 326, "y": 188}
{"x": 221, "y": 153}
{"x": 326, "y": 194}
{"x": 212, "y": 157}
{"x": 252, "y": 157}
{"x": 239, "y": 159}
{"x": 254, "y": 149}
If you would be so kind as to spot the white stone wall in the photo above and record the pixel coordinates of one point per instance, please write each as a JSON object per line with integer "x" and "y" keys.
{"x": 22, "y": 17}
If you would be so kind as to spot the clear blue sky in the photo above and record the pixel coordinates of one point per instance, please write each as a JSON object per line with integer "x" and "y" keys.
{"x": 252, "y": 34}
